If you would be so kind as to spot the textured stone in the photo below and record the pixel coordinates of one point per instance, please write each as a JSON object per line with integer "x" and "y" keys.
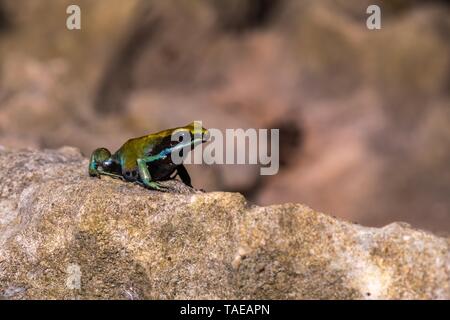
{"x": 132, "y": 243}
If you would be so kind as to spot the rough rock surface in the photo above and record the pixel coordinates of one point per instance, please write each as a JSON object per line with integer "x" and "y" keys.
{"x": 64, "y": 235}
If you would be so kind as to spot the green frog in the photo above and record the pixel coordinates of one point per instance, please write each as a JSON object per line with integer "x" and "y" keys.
{"x": 148, "y": 159}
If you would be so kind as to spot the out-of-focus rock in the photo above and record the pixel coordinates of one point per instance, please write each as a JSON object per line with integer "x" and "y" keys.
{"x": 68, "y": 236}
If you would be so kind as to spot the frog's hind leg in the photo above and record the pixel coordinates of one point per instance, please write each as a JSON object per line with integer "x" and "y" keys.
{"x": 99, "y": 158}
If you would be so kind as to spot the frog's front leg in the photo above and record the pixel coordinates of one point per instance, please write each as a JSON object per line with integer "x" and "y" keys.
{"x": 144, "y": 174}
{"x": 184, "y": 175}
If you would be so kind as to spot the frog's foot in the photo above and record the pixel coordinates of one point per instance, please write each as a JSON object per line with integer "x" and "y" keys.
{"x": 153, "y": 185}
{"x": 159, "y": 187}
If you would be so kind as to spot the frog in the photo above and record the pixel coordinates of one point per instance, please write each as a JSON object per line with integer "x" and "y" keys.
{"x": 147, "y": 160}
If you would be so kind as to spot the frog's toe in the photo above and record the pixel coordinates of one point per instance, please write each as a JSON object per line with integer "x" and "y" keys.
{"x": 163, "y": 188}
{"x": 157, "y": 186}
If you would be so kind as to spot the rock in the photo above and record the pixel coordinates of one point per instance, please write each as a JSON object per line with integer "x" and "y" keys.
{"x": 64, "y": 235}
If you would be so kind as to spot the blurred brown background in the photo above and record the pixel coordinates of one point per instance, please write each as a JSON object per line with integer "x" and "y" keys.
{"x": 364, "y": 115}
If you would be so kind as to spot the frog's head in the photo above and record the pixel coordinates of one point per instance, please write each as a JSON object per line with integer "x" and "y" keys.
{"x": 197, "y": 134}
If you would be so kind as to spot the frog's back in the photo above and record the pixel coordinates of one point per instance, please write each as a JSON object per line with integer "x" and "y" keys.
{"x": 142, "y": 147}
{"x": 133, "y": 149}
